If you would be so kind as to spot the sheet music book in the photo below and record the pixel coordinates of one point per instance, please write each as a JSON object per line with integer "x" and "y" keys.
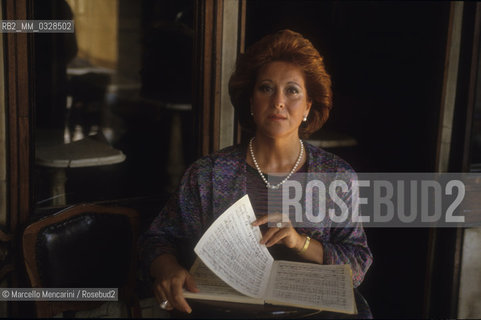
{"x": 235, "y": 267}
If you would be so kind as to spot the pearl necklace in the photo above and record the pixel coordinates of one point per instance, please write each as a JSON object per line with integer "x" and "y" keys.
{"x": 277, "y": 186}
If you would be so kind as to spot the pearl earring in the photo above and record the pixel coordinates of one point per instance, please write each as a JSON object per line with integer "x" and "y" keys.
{"x": 305, "y": 119}
{"x": 252, "y": 113}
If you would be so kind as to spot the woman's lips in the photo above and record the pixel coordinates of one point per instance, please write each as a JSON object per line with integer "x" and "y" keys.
{"x": 277, "y": 117}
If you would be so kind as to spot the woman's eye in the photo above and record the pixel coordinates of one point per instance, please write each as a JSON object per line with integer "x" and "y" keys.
{"x": 292, "y": 90}
{"x": 265, "y": 88}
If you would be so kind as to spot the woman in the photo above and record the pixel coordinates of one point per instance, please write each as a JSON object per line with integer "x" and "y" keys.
{"x": 280, "y": 91}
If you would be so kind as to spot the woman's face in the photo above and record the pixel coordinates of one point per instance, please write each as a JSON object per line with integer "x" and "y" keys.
{"x": 279, "y": 101}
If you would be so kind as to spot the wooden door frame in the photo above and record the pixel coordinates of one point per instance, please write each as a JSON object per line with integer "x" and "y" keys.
{"x": 213, "y": 118}
{"x": 453, "y": 148}
{"x": 19, "y": 104}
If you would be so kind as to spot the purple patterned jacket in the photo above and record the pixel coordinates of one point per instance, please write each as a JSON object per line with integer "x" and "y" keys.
{"x": 211, "y": 184}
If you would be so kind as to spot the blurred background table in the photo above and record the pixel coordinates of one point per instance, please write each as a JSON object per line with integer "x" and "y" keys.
{"x": 325, "y": 138}
{"x": 88, "y": 152}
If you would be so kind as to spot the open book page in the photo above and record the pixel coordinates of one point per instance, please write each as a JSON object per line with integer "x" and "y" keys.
{"x": 212, "y": 287}
{"x": 230, "y": 248}
{"x": 308, "y": 285}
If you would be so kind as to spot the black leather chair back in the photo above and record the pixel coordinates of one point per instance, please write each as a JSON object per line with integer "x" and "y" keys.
{"x": 91, "y": 250}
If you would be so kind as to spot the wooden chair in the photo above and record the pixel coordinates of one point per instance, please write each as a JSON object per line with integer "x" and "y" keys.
{"x": 84, "y": 246}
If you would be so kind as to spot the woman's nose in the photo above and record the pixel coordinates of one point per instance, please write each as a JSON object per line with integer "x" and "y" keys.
{"x": 279, "y": 100}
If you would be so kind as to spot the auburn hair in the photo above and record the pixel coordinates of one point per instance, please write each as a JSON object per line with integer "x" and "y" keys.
{"x": 286, "y": 46}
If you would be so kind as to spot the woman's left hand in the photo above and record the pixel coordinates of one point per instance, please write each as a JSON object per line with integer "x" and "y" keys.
{"x": 280, "y": 231}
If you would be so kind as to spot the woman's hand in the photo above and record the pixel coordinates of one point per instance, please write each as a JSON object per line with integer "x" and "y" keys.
{"x": 280, "y": 232}
{"x": 170, "y": 278}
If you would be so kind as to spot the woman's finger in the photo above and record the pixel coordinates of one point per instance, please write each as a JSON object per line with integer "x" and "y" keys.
{"x": 161, "y": 297}
{"x": 169, "y": 286}
{"x": 190, "y": 284}
{"x": 277, "y": 237}
{"x": 166, "y": 287}
{"x": 273, "y": 219}
{"x": 178, "y": 298}
{"x": 268, "y": 234}
{"x": 261, "y": 220}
